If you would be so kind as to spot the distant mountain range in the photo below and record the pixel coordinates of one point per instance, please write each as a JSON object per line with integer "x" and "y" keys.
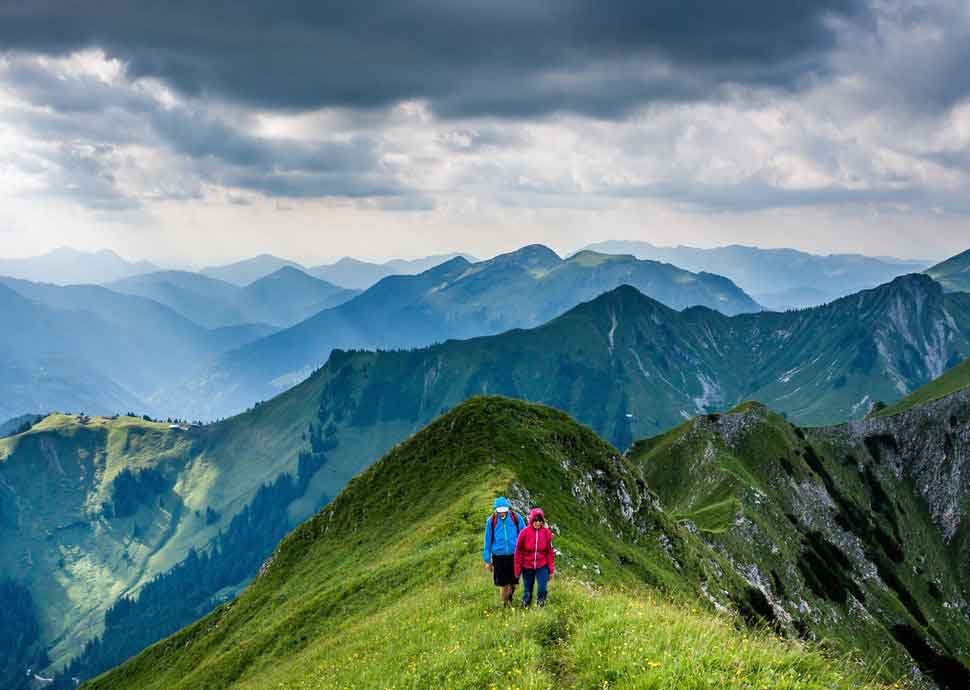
{"x": 280, "y": 299}
{"x": 456, "y": 299}
{"x": 348, "y": 273}
{"x": 777, "y": 278}
{"x": 86, "y": 348}
{"x": 244, "y": 272}
{"x": 360, "y": 275}
{"x": 953, "y": 274}
{"x": 66, "y": 266}
{"x": 149, "y": 342}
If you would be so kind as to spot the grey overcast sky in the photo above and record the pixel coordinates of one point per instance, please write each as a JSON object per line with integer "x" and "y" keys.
{"x": 193, "y": 132}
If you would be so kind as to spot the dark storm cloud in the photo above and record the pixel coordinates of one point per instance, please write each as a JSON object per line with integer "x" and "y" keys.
{"x": 919, "y": 56}
{"x": 505, "y": 57}
{"x": 80, "y": 108}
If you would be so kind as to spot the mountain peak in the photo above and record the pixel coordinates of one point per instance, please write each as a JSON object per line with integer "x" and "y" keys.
{"x": 911, "y": 283}
{"x": 287, "y": 273}
{"x": 531, "y": 256}
{"x": 626, "y": 297}
{"x": 588, "y": 256}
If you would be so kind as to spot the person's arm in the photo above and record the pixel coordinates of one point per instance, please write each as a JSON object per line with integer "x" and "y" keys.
{"x": 487, "y": 543}
{"x": 517, "y": 558}
{"x": 551, "y": 556}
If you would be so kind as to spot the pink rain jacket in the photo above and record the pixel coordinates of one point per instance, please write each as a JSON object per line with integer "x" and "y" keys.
{"x": 533, "y": 549}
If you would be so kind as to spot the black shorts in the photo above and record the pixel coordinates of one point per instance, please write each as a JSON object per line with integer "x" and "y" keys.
{"x": 503, "y": 571}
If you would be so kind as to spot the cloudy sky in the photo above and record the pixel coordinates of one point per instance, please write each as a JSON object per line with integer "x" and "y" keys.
{"x": 197, "y": 132}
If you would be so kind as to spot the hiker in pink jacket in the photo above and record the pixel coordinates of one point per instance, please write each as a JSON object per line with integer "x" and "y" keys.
{"x": 535, "y": 559}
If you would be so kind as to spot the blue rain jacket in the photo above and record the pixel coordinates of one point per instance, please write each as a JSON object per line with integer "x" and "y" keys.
{"x": 500, "y": 540}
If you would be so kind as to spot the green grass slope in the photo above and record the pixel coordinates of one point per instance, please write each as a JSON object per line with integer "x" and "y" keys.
{"x": 956, "y": 379}
{"x": 55, "y": 478}
{"x": 385, "y": 589}
{"x": 63, "y": 538}
{"x": 830, "y": 529}
{"x": 954, "y": 273}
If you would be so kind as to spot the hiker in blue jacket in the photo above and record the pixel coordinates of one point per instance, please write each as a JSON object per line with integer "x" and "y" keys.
{"x": 501, "y": 532}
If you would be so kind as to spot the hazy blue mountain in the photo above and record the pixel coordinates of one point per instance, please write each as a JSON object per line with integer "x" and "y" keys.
{"x": 456, "y": 299}
{"x": 349, "y": 273}
{"x": 289, "y": 296}
{"x": 360, "y": 275}
{"x": 954, "y": 273}
{"x": 280, "y": 299}
{"x": 66, "y": 266}
{"x": 246, "y": 271}
{"x": 16, "y": 424}
{"x": 208, "y": 302}
{"x": 84, "y": 347}
{"x": 777, "y": 278}
{"x": 49, "y": 360}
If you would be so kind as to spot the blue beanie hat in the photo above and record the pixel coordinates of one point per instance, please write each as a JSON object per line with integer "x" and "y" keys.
{"x": 501, "y": 502}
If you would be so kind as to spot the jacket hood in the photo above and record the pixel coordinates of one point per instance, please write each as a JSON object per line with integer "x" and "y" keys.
{"x": 536, "y": 513}
{"x": 501, "y": 502}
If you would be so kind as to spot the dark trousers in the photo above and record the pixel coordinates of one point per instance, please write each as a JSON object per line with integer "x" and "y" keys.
{"x": 531, "y": 578}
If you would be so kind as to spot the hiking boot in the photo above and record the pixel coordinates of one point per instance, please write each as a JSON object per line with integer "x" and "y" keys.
{"x": 540, "y": 603}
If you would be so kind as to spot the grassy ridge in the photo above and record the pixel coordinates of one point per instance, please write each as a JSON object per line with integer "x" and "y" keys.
{"x": 385, "y": 587}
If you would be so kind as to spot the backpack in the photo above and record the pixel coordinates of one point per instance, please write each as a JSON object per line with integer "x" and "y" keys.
{"x": 515, "y": 519}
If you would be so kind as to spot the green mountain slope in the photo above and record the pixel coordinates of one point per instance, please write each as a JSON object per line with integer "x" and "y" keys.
{"x": 94, "y": 509}
{"x": 835, "y": 526}
{"x": 384, "y": 588}
{"x": 954, "y": 273}
{"x": 456, "y": 299}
